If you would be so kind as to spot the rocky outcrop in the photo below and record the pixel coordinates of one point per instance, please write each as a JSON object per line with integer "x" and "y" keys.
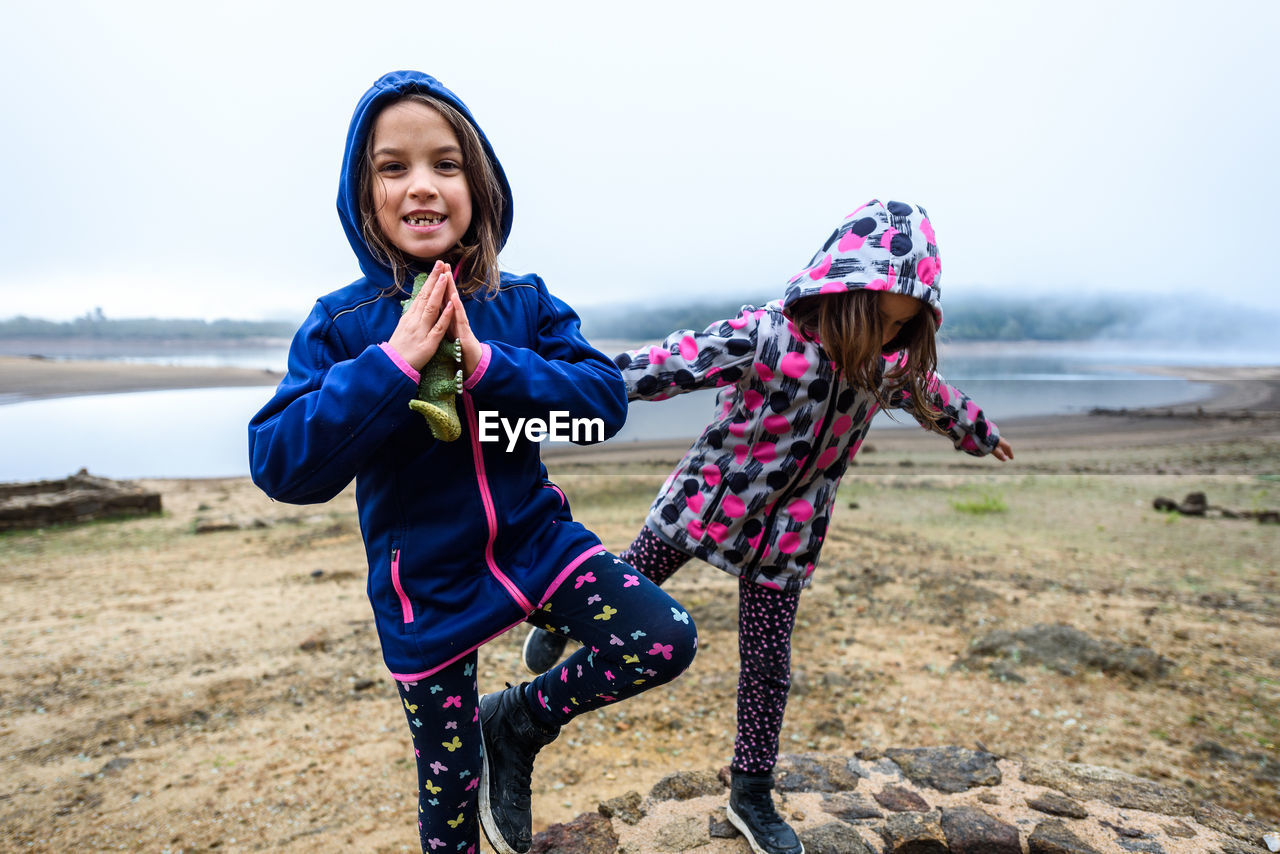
{"x": 931, "y": 800}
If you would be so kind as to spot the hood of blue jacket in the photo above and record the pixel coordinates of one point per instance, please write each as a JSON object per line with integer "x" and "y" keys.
{"x": 387, "y": 89}
{"x": 882, "y": 246}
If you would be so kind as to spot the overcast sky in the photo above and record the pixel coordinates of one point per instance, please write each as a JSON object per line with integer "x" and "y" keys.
{"x": 181, "y": 160}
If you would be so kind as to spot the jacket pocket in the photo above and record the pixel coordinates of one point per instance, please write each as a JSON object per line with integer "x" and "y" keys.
{"x": 406, "y": 608}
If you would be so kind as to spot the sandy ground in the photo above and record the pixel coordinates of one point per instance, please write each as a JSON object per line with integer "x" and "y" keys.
{"x": 167, "y": 690}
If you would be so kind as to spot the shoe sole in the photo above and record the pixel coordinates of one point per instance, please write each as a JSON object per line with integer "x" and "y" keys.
{"x": 741, "y": 825}
{"x": 524, "y": 655}
{"x": 487, "y": 824}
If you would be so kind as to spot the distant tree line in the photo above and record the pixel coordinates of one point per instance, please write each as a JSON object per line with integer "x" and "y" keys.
{"x": 97, "y": 326}
{"x": 998, "y": 318}
{"x": 971, "y": 316}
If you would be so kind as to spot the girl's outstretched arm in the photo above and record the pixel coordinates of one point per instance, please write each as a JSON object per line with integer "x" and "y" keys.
{"x": 963, "y": 420}
{"x": 685, "y": 360}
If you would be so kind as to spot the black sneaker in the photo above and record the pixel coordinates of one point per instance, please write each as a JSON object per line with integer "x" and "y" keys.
{"x": 751, "y": 811}
{"x": 542, "y": 650}
{"x": 511, "y": 739}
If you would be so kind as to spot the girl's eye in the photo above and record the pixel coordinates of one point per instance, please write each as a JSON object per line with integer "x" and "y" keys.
{"x": 391, "y": 168}
{"x": 448, "y": 166}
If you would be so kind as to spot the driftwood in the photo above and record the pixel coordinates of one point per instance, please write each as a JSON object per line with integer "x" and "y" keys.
{"x": 79, "y": 498}
{"x": 1196, "y": 504}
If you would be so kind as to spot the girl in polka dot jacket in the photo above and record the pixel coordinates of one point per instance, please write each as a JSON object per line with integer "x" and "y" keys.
{"x": 799, "y": 380}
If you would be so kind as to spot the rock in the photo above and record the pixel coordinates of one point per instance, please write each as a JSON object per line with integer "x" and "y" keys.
{"x": 1230, "y": 823}
{"x": 849, "y": 807}
{"x": 79, "y": 498}
{"x": 1090, "y": 782}
{"x": 914, "y": 833}
{"x": 1066, "y": 649}
{"x": 898, "y": 799}
{"x": 683, "y": 785}
{"x": 814, "y": 773}
{"x": 947, "y": 769}
{"x": 833, "y": 838}
{"x": 1052, "y": 837}
{"x": 626, "y": 807}
{"x": 1060, "y": 805}
{"x": 1195, "y": 504}
{"x": 719, "y": 826}
{"x": 933, "y": 788}
{"x": 115, "y": 766}
{"x": 589, "y": 833}
{"x": 682, "y": 834}
{"x": 969, "y": 830}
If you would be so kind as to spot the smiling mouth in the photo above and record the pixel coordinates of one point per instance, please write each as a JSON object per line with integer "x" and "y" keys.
{"x": 424, "y": 219}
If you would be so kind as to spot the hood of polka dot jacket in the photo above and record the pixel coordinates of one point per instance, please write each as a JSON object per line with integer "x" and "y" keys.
{"x": 755, "y": 493}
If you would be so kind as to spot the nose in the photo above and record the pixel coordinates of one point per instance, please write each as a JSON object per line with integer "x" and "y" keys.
{"x": 422, "y": 185}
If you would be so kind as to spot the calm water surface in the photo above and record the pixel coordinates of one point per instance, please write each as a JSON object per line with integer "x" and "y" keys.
{"x": 202, "y": 432}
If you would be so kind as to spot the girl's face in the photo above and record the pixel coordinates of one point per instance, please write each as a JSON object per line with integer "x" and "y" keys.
{"x": 896, "y": 311}
{"x": 421, "y": 199}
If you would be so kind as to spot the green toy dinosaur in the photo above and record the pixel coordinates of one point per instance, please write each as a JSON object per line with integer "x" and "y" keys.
{"x": 440, "y": 382}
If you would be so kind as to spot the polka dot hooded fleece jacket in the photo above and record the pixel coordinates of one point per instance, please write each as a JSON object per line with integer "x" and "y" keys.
{"x": 754, "y": 494}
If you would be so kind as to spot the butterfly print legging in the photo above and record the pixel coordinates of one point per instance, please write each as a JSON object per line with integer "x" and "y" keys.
{"x": 634, "y": 637}
{"x": 766, "y": 618}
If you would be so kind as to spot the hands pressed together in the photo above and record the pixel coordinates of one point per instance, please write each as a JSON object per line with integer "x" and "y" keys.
{"x": 437, "y": 312}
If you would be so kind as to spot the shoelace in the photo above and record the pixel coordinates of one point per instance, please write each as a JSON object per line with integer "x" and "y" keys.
{"x": 762, "y": 805}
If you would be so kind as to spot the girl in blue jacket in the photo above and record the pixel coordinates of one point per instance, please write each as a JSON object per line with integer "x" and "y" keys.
{"x": 465, "y": 535}
{"x": 799, "y": 381}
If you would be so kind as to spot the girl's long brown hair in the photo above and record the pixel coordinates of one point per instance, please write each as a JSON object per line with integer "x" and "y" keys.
{"x": 475, "y": 258}
{"x": 847, "y": 327}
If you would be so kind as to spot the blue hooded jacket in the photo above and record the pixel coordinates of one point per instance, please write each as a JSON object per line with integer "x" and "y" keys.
{"x": 464, "y": 538}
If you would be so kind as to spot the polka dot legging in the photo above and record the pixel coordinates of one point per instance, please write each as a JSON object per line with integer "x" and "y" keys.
{"x": 766, "y": 618}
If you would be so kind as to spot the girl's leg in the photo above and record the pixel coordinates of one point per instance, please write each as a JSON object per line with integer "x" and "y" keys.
{"x": 442, "y": 711}
{"x": 656, "y": 561}
{"x": 635, "y": 637}
{"x": 766, "y": 618}
{"x": 653, "y": 557}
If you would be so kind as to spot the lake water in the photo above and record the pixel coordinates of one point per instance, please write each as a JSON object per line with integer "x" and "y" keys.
{"x": 202, "y": 432}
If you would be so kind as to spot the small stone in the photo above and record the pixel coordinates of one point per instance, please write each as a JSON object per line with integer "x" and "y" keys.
{"x": 1179, "y": 830}
{"x": 115, "y": 766}
{"x": 898, "y": 799}
{"x": 589, "y": 833}
{"x": 626, "y": 807}
{"x": 801, "y": 772}
{"x": 969, "y": 830}
{"x": 914, "y": 833}
{"x": 1055, "y": 804}
{"x": 833, "y": 838}
{"x": 947, "y": 769}
{"x": 683, "y": 785}
{"x": 719, "y": 827}
{"x": 1052, "y": 837}
{"x": 849, "y": 807}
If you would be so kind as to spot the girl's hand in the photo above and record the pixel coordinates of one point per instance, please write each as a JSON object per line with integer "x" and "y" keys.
{"x": 460, "y": 329}
{"x": 423, "y": 325}
{"x": 1003, "y": 451}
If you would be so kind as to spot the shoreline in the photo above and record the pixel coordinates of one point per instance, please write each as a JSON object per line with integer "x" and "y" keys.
{"x": 1244, "y": 403}
{"x": 24, "y": 378}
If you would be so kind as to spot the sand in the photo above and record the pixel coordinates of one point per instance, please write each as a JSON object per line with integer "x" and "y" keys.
{"x": 168, "y": 690}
